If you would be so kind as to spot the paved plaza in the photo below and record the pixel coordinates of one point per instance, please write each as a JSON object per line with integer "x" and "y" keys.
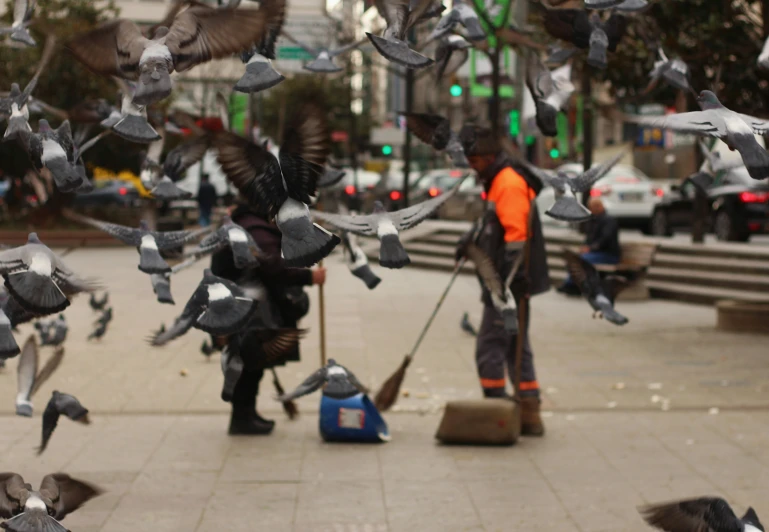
{"x": 665, "y": 407}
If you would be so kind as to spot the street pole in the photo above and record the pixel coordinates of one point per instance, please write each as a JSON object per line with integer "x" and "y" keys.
{"x": 352, "y": 139}
{"x": 409, "y": 109}
{"x": 587, "y": 124}
{"x": 495, "y": 82}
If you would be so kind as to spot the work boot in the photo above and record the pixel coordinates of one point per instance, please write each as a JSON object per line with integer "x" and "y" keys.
{"x": 531, "y": 422}
{"x": 244, "y": 422}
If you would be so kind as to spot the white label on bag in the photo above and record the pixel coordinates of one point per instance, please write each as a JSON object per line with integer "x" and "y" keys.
{"x": 351, "y": 418}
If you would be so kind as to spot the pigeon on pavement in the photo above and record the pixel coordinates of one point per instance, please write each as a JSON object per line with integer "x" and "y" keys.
{"x": 38, "y": 280}
{"x": 400, "y": 16}
{"x": 22, "y": 16}
{"x": 336, "y": 380}
{"x": 709, "y": 514}
{"x": 244, "y": 248}
{"x": 436, "y": 131}
{"x": 450, "y": 54}
{"x": 196, "y": 35}
{"x": 322, "y": 62}
{"x": 587, "y": 31}
{"x": 27, "y": 510}
{"x": 358, "y": 262}
{"x": 674, "y": 71}
{"x": 464, "y": 15}
{"x": 218, "y": 307}
{"x": 61, "y": 403}
{"x": 566, "y": 206}
{"x": 386, "y": 225}
{"x": 29, "y": 378}
{"x": 550, "y": 95}
{"x": 98, "y": 304}
{"x": 600, "y": 293}
{"x": 54, "y": 150}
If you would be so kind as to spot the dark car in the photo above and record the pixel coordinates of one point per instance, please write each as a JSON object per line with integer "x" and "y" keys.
{"x": 739, "y": 207}
{"x": 108, "y": 192}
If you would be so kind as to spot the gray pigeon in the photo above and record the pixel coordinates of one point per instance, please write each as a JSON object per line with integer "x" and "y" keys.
{"x": 400, "y": 17}
{"x": 464, "y": 15}
{"x": 61, "y": 403}
{"x": 244, "y": 249}
{"x": 15, "y": 313}
{"x": 54, "y": 332}
{"x": 358, "y": 262}
{"x": 558, "y": 55}
{"x": 550, "y": 96}
{"x": 715, "y": 120}
{"x": 55, "y": 151}
{"x": 587, "y": 31}
{"x": 567, "y": 207}
{"x": 386, "y": 225}
{"x": 709, "y": 514}
{"x": 600, "y": 293}
{"x": 27, "y": 510}
{"x": 38, "y": 280}
{"x": 260, "y": 74}
{"x": 323, "y": 57}
{"x": 436, "y": 131}
{"x": 714, "y": 162}
{"x": 674, "y": 71}
{"x": 99, "y": 331}
{"x": 22, "y": 16}
{"x": 98, "y": 304}
{"x": 196, "y": 35}
{"x": 330, "y": 177}
{"x": 336, "y": 380}
{"x": 29, "y": 378}
{"x": 450, "y": 54}
{"x": 161, "y": 179}
{"x": 130, "y": 122}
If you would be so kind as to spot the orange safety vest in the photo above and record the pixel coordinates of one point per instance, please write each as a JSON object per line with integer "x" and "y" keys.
{"x": 512, "y": 197}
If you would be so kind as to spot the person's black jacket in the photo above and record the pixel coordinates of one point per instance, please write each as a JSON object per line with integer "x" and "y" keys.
{"x": 603, "y": 235}
{"x": 206, "y": 195}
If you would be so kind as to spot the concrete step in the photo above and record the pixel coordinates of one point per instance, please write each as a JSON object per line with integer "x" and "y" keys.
{"x": 704, "y": 295}
{"x": 440, "y": 239}
{"x": 732, "y": 265}
{"x": 717, "y": 250}
{"x": 418, "y": 247}
{"x": 737, "y": 281}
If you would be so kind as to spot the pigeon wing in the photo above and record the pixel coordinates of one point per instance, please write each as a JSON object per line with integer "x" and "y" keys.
{"x": 49, "y": 368}
{"x": 543, "y": 175}
{"x": 10, "y": 259}
{"x": 181, "y": 325}
{"x": 304, "y": 46}
{"x": 411, "y": 216}
{"x": 759, "y": 125}
{"x": 12, "y": 488}
{"x": 486, "y": 270}
{"x": 614, "y": 285}
{"x": 347, "y": 47}
{"x": 395, "y": 13}
{"x": 69, "y": 406}
{"x": 67, "y": 493}
{"x": 128, "y": 235}
{"x": 64, "y": 137}
{"x": 310, "y": 384}
{"x": 50, "y": 47}
{"x": 365, "y": 225}
{"x": 304, "y": 150}
{"x": 112, "y": 49}
{"x": 583, "y": 273}
{"x": 538, "y": 78}
{"x": 330, "y": 177}
{"x": 583, "y": 182}
{"x": 706, "y": 123}
{"x": 283, "y": 342}
{"x": 695, "y": 515}
{"x": 27, "y": 368}
{"x": 50, "y": 421}
{"x": 416, "y": 12}
{"x": 182, "y": 157}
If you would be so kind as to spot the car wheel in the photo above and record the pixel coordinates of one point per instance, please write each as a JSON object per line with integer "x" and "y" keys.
{"x": 726, "y": 230}
{"x": 659, "y": 224}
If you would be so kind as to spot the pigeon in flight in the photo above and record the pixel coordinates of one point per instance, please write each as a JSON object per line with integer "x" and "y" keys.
{"x": 600, "y": 293}
{"x": 587, "y": 31}
{"x": 54, "y": 150}
{"x": 336, "y": 380}
{"x": 358, "y": 262}
{"x": 436, "y": 131}
{"x": 550, "y": 94}
{"x": 98, "y": 304}
{"x": 196, "y": 35}
{"x": 709, "y": 514}
{"x": 450, "y": 54}
{"x": 282, "y": 186}
{"x": 323, "y": 57}
{"x": 260, "y": 74}
{"x": 558, "y": 55}
{"x": 330, "y": 177}
{"x": 218, "y": 307}
{"x": 99, "y": 331}
{"x": 244, "y": 249}
{"x": 464, "y": 15}
{"x": 400, "y": 16}
{"x": 53, "y": 332}
{"x": 567, "y": 207}
{"x": 22, "y": 16}
{"x": 715, "y": 120}
{"x": 130, "y": 122}
{"x": 106, "y": 316}
{"x": 714, "y": 162}
{"x": 160, "y": 180}
{"x": 161, "y": 282}
{"x": 8, "y": 346}
{"x": 27, "y": 510}
{"x": 466, "y": 326}
{"x": 38, "y": 280}
{"x": 386, "y": 225}
{"x": 61, "y": 403}
{"x": 29, "y": 378}
{"x": 15, "y": 313}
{"x": 674, "y": 71}
{"x": 148, "y": 243}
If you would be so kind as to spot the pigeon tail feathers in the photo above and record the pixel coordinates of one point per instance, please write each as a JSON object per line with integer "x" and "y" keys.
{"x": 36, "y": 293}
{"x": 150, "y": 261}
{"x": 16, "y": 124}
{"x": 259, "y": 76}
{"x": 546, "y": 118}
{"x": 392, "y": 254}
{"x": 226, "y": 316}
{"x": 755, "y": 157}
{"x": 365, "y": 274}
{"x": 33, "y": 521}
{"x": 304, "y": 245}
{"x": 568, "y": 209}
{"x": 135, "y": 128}
{"x": 8, "y": 346}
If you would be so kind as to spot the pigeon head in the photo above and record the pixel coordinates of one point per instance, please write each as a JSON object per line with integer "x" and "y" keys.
{"x": 708, "y": 100}
{"x": 379, "y": 207}
{"x": 160, "y": 32}
{"x": 331, "y": 362}
{"x": 15, "y": 90}
{"x": 32, "y": 239}
{"x": 208, "y": 274}
{"x": 43, "y": 125}
{"x": 143, "y": 225}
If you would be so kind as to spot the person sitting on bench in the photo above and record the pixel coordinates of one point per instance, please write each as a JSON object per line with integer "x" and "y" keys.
{"x": 601, "y": 243}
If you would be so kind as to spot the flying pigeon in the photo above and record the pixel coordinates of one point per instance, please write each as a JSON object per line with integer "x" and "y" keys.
{"x": 15, "y": 313}
{"x": 8, "y": 346}
{"x": 244, "y": 249}
{"x": 330, "y": 177}
{"x": 466, "y": 326}
{"x": 40, "y": 511}
{"x": 55, "y": 332}
{"x": 400, "y": 16}
{"x": 587, "y": 31}
{"x": 98, "y": 332}
{"x": 160, "y": 180}
{"x": 386, "y": 225}
{"x": 450, "y": 54}
{"x": 161, "y": 282}
{"x": 282, "y": 186}
{"x": 464, "y": 15}
{"x": 38, "y": 280}
{"x": 130, "y": 121}
{"x": 322, "y": 62}
{"x": 499, "y": 289}
{"x": 218, "y": 307}
{"x": 61, "y": 403}
{"x": 436, "y": 131}
{"x": 98, "y": 304}
{"x": 196, "y": 35}
{"x": 558, "y": 55}
{"x": 336, "y": 380}
{"x": 148, "y": 243}
{"x": 715, "y": 120}
{"x": 566, "y": 206}
{"x": 674, "y": 71}
{"x": 709, "y": 514}
{"x": 600, "y": 293}
{"x": 260, "y": 74}
{"x": 550, "y": 95}
{"x": 29, "y": 378}
{"x": 713, "y": 160}
{"x": 106, "y": 317}
{"x": 358, "y": 262}
{"x": 53, "y": 149}
{"x": 22, "y": 16}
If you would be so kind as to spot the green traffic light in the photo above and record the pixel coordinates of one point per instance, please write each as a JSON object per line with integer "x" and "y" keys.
{"x": 456, "y": 91}
{"x": 515, "y": 123}
{"x": 530, "y": 140}
{"x": 387, "y": 149}
{"x": 554, "y": 153}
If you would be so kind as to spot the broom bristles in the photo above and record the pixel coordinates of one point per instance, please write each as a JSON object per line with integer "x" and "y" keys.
{"x": 391, "y": 388}
{"x": 289, "y": 407}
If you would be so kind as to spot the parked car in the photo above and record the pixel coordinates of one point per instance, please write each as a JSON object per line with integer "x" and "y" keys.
{"x": 346, "y": 191}
{"x": 108, "y": 192}
{"x": 389, "y": 190}
{"x": 467, "y": 204}
{"x": 627, "y": 193}
{"x": 434, "y": 183}
{"x": 739, "y": 207}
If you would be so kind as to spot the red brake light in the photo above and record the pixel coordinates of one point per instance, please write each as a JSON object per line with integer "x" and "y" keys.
{"x": 122, "y": 191}
{"x": 658, "y": 192}
{"x": 483, "y": 195}
{"x": 600, "y": 191}
{"x": 754, "y": 197}
{"x": 433, "y": 192}
{"x": 395, "y": 195}
{"x": 349, "y": 190}
{"x": 456, "y": 173}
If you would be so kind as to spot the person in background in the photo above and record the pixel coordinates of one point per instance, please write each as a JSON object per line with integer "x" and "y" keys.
{"x": 285, "y": 296}
{"x": 508, "y": 223}
{"x": 601, "y": 242}
{"x": 206, "y": 200}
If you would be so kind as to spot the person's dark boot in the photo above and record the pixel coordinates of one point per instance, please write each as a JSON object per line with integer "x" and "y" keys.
{"x": 496, "y": 393}
{"x": 264, "y": 420}
{"x": 244, "y": 421}
{"x": 531, "y": 421}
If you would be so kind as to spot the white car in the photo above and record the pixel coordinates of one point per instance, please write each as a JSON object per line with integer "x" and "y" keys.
{"x": 627, "y": 193}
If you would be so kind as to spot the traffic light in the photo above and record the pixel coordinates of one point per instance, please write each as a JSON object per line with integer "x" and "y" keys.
{"x": 551, "y": 146}
{"x": 387, "y": 149}
{"x": 456, "y": 90}
{"x": 515, "y": 122}
{"x": 554, "y": 153}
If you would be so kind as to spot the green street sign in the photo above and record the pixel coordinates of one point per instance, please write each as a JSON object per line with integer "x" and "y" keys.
{"x": 294, "y": 52}
{"x": 479, "y": 90}
{"x": 238, "y": 111}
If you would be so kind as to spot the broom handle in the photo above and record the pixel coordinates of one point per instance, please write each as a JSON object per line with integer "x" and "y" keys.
{"x": 523, "y": 311}
{"x": 322, "y": 313}
{"x": 454, "y": 275}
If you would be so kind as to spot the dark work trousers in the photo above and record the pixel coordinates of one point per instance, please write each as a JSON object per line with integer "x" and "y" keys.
{"x": 495, "y": 349}
{"x": 247, "y": 388}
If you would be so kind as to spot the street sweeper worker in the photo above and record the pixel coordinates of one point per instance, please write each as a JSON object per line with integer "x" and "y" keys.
{"x": 509, "y": 220}
{"x": 288, "y": 303}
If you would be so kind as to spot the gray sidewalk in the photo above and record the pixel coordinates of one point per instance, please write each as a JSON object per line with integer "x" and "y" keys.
{"x": 627, "y": 413}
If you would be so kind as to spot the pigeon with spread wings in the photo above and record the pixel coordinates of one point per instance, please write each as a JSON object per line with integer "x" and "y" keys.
{"x": 357, "y": 261}
{"x": 706, "y": 514}
{"x": 29, "y": 379}
{"x": 244, "y": 248}
{"x": 499, "y": 290}
{"x": 464, "y": 15}
{"x": 196, "y": 35}
{"x": 386, "y": 225}
{"x": 22, "y": 17}
{"x": 337, "y": 382}
{"x": 260, "y": 74}
{"x": 587, "y": 31}
{"x": 450, "y": 54}
{"x": 400, "y": 16}
{"x": 162, "y": 179}
{"x": 600, "y": 293}
{"x": 282, "y": 186}
{"x": 61, "y": 403}
{"x": 436, "y": 131}
{"x": 673, "y": 71}
{"x": 550, "y": 95}
{"x": 54, "y": 150}
{"x": 322, "y": 62}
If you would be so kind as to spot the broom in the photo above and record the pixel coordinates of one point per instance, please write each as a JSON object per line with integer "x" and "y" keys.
{"x": 390, "y": 390}
{"x": 292, "y": 411}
